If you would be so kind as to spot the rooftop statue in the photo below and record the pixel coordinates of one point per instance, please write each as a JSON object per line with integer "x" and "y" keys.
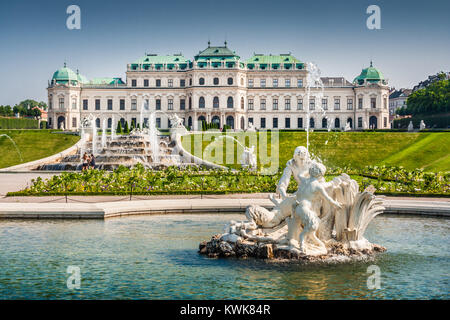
{"x": 321, "y": 220}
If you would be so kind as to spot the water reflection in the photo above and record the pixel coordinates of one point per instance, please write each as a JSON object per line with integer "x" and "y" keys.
{"x": 147, "y": 257}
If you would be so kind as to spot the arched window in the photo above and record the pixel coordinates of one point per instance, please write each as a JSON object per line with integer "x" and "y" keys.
{"x": 216, "y": 120}
{"x": 97, "y": 123}
{"x": 311, "y": 123}
{"x": 201, "y": 103}
{"x": 190, "y": 122}
{"x": 230, "y": 122}
{"x": 190, "y": 103}
{"x": 216, "y": 102}
{"x": 216, "y": 81}
{"x": 350, "y": 122}
{"x": 242, "y": 103}
{"x": 230, "y": 102}
{"x": 373, "y": 122}
{"x": 242, "y": 123}
{"x": 109, "y": 123}
{"x": 201, "y": 81}
{"x": 337, "y": 123}
{"x": 122, "y": 122}
{"x": 230, "y": 81}
{"x": 324, "y": 123}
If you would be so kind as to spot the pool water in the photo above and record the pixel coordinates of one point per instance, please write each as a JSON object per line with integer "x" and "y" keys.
{"x": 155, "y": 257}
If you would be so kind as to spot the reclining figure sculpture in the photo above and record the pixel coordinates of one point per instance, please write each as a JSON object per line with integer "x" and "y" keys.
{"x": 317, "y": 216}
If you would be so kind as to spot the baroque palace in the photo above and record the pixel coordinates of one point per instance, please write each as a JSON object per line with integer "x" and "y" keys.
{"x": 217, "y": 86}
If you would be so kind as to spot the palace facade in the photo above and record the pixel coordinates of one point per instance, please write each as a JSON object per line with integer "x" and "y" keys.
{"x": 217, "y": 86}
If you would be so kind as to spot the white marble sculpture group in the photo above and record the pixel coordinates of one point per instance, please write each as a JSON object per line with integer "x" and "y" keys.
{"x": 317, "y": 216}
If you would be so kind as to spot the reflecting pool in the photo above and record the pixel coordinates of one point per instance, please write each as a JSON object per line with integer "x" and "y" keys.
{"x": 155, "y": 257}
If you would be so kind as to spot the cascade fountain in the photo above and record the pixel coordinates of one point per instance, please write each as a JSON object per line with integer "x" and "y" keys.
{"x": 104, "y": 124}
{"x": 94, "y": 136}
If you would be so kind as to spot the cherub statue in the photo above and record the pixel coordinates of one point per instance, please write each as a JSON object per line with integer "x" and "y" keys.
{"x": 312, "y": 190}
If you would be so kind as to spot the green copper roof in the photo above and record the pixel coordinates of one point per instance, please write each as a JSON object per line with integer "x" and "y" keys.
{"x": 65, "y": 75}
{"x": 99, "y": 81}
{"x": 370, "y": 74}
{"x": 81, "y": 78}
{"x": 272, "y": 59}
{"x": 219, "y": 53}
{"x": 155, "y": 59}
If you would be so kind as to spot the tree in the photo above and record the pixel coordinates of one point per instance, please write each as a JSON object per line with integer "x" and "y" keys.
{"x": 119, "y": 127}
{"x": 435, "y": 98}
{"x": 126, "y": 130}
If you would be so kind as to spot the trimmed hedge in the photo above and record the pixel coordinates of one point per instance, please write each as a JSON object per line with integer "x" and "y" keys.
{"x": 18, "y": 123}
{"x": 431, "y": 121}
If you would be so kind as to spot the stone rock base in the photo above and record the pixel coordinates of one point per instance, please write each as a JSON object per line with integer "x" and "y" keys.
{"x": 337, "y": 252}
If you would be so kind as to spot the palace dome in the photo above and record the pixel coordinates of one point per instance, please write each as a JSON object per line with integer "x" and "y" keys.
{"x": 369, "y": 74}
{"x": 65, "y": 75}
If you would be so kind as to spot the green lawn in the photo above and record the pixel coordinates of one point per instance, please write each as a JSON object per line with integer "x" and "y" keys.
{"x": 430, "y": 151}
{"x": 32, "y": 144}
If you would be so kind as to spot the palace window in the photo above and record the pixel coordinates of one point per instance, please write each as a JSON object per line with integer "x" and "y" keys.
{"x": 216, "y": 81}
{"x": 324, "y": 123}
{"x": 262, "y": 83}
{"x": 373, "y": 102}
{"x": 230, "y": 103}
{"x": 158, "y": 82}
{"x": 311, "y": 123}
{"x": 385, "y": 103}
{"x": 360, "y": 123}
{"x": 287, "y": 104}
{"x": 216, "y": 102}
{"x": 133, "y": 83}
{"x": 242, "y": 103}
{"x": 158, "y": 104}
{"x": 299, "y": 122}
{"x": 170, "y": 104}
{"x": 300, "y": 104}
{"x": 122, "y": 104}
{"x": 145, "y": 82}
{"x": 263, "y": 123}
{"x": 170, "y": 83}
{"x": 182, "y": 104}
{"x": 201, "y": 103}
{"x": 300, "y": 83}
{"x": 201, "y": 81}
{"x": 287, "y": 83}
{"x": 275, "y": 104}
{"x": 349, "y": 104}
{"x": 250, "y": 83}
{"x": 263, "y": 104}
{"x": 85, "y": 104}
{"x": 97, "y": 104}
{"x": 110, "y": 104}
{"x": 158, "y": 122}
{"x": 337, "y": 123}
{"x": 230, "y": 81}
{"x": 250, "y": 104}
{"x": 337, "y": 104}
{"x": 74, "y": 104}
{"x": 275, "y": 83}
{"x": 133, "y": 104}
{"x": 61, "y": 103}
{"x": 385, "y": 122}
{"x": 182, "y": 83}
{"x": 360, "y": 104}
{"x": 250, "y": 120}
{"x": 275, "y": 123}
{"x": 325, "y": 104}
{"x": 74, "y": 122}
{"x": 287, "y": 123}
{"x": 312, "y": 103}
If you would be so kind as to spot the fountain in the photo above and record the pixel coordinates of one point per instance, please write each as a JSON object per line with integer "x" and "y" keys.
{"x": 14, "y": 144}
{"x": 321, "y": 221}
{"x": 312, "y": 80}
{"x": 104, "y": 124}
{"x": 410, "y": 126}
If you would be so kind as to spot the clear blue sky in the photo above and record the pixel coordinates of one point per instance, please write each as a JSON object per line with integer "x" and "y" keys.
{"x": 412, "y": 44}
